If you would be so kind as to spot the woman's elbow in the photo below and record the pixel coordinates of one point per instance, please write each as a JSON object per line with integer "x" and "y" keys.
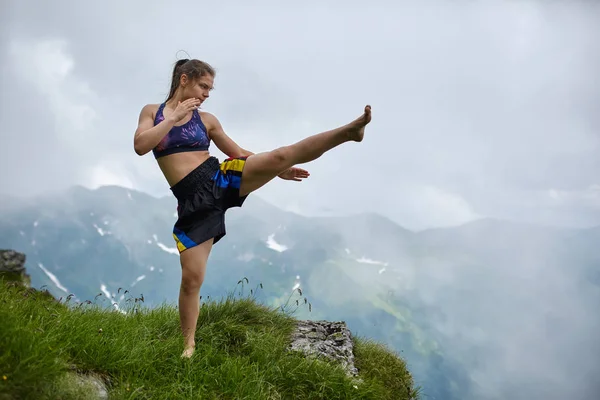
{"x": 139, "y": 147}
{"x": 139, "y": 152}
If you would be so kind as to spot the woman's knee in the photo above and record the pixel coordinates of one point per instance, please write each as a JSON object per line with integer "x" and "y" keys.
{"x": 191, "y": 282}
{"x": 192, "y": 275}
{"x": 193, "y": 267}
{"x": 281, "y": 156}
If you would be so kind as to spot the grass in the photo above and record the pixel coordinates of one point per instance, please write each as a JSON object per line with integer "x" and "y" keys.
{"x": 241, "y": 353}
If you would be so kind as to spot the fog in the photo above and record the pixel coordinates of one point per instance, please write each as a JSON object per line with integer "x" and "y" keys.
{"x": 485, "y": 109}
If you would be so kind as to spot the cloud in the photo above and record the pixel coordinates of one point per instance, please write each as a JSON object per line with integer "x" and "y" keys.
{"x": 69, "y": 133}
{"x": 48, "y": 67}
{"x": 589, "y": 197}
{"x": 103, "y": 175}
{"x": 494, "y": 103}
{"x": 480, "y": 109}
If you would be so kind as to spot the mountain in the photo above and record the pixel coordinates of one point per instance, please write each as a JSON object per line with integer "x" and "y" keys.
{"x": 456, "y": 302}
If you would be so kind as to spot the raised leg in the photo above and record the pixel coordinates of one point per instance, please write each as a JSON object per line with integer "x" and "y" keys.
{"x": 262, "y": 167}
{"x": 193, "y": 268}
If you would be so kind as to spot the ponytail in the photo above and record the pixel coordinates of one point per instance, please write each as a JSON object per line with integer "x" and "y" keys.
{"x": 194, "y": 69}
{"x": 175, "y": 77}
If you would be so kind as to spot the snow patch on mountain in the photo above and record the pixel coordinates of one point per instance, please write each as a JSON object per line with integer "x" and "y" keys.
{"x": 139, "y": 278}
{"x": 365, "y": 260}
{"x": 104, "y": 290}
{"x": 101, "y": 231}
{"x": 273, "y": 245}
{"x": 162, "y": 246}
{"x": 172, "y": 250}
{"x": 53, "y": 278}
{"x": 110, "y": 298}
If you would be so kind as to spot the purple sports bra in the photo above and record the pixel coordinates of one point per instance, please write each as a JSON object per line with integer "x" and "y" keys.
{"x": 191, "y": 136}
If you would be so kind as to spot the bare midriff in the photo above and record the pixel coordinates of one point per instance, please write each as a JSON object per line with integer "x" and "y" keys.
{"x": 176, "y": 166}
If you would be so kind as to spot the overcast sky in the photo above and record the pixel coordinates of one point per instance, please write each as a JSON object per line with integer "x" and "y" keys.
{"x": 479, "y": 108}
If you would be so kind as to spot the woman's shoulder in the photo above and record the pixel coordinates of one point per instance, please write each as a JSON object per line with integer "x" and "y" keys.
{"x": 207, "y": 114}
{"x": 151, "y": 107}
{"x": 149, "y": 110}
{"x": 209, "y": 119}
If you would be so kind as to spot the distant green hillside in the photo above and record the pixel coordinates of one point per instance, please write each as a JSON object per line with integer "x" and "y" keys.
{"x": 46, "y": 346}
{"x": 455, "y": 302}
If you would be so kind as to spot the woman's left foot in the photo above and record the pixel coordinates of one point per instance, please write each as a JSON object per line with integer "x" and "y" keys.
{"x": 356, "y": 129}
{"x": 188, "y": 352}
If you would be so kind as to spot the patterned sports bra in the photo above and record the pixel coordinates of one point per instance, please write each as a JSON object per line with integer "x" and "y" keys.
{"x": 191, "y": 136}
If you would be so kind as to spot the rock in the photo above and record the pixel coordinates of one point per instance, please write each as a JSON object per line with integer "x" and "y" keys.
{"x": 12, "y": 267}
{"x": 331, "y": 340}
{"x": 93, "y": 384}
{"x": 12, "y": 270}
{"x": 82, "y": 385}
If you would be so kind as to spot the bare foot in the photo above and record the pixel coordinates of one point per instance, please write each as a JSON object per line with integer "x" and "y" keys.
{"x": 188, "y": 352}
{"x": 356, "y": 128}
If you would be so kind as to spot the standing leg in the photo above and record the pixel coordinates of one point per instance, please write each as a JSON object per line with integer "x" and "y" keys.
{"x": 193, "y": 268}
{"x": 263, "y": 167}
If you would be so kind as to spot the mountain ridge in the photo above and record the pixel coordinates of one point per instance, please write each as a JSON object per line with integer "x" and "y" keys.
{"x": 445, "y": 297}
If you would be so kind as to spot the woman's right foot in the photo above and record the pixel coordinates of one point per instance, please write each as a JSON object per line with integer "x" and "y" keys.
{"x": 188, "y": 351}
{"x": 356, "y": 128}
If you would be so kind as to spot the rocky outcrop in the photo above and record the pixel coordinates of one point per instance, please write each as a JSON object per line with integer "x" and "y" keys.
{"x": 12, "y": 267}
{"x": 331, "y": 340}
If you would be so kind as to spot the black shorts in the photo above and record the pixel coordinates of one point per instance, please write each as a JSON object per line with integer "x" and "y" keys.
{"x": 203, "y": 196}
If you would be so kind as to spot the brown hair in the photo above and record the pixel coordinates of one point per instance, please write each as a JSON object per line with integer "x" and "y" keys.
{"x": 193, "y": 69}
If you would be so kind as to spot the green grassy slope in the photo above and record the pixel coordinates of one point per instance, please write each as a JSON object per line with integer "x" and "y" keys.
{"x": 241, "y": 353}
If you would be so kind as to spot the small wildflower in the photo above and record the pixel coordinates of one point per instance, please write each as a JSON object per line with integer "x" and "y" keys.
{"x": 4, "y": 377}
{"x": 100, "y": 330}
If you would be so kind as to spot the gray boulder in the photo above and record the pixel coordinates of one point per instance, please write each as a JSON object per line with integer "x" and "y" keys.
{"x": 12, "y": 267}
{"x": 331, "y": 340}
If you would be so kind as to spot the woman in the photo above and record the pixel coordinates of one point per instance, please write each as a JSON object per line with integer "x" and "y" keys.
{"x": 179, "y": 136}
